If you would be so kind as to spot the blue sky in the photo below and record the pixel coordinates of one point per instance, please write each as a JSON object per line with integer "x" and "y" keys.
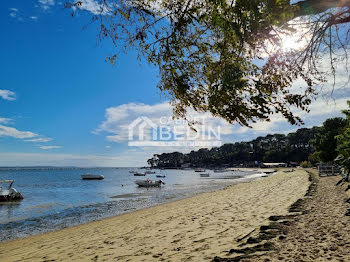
{"x": 57, "y": 90}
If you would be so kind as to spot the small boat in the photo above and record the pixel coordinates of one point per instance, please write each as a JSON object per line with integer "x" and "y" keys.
{"x": 204, "y": 175}
{"x": 92, "y": 177}
{"x": 149, "y": 183}
{"x": 9, "y": 194}
{"x": 220, "y": 170}
{"x": 160, "y": 175}
{"x": 199, "y": 170}
{"x": 139, "y": 174}
{"x": 150, "y": 172}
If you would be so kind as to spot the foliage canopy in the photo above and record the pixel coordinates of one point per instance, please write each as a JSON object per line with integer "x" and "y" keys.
{"x": 325, "y": 141}
{"x": 226, "y": 56}
{"x": 344, "y": 144}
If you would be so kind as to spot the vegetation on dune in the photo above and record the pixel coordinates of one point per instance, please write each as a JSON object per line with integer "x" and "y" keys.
{"x": 344, "y": 146}
{"x": 325, "y": 142}
{"x": 306, "y": 146}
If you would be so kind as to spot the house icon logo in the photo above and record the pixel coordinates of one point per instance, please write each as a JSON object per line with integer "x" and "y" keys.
{"x": 138, "y": 128}
{"x": 144, "y": 132}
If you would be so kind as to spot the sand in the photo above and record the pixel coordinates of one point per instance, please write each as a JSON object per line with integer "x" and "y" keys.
{"x": 322, "y": 233}
{"x": 194, "y": 229}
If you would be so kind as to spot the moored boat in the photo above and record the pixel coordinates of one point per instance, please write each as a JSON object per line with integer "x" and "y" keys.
{"x": 9, "y": 194}
{"x": 149, "y": 183}
{"x": 204, "y": 175}
{"x": 92, "y": 177}
{"x": 160, "y": 175}
{"x": 139, "y": 174}
{"x": 150, "y": 172}
{"x": 199, "y": 170}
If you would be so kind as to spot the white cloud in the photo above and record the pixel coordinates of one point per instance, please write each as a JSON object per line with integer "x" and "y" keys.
{"x": 50, "y": 147}
{"x": 118, "y": 119}
{"x": 6, "y": 131}
{"x": 46, "y": 4}
{"x": 94, "y": 7}
{"x": 33, "y": 18}
{"x": 40, "y": 140}
{"x": 13, "y": 12}
{"x": 5, "y": 120}
{"x": 13, "y": 132}
{"x": 320, "y": 110}
{"x": 7, "y": 95}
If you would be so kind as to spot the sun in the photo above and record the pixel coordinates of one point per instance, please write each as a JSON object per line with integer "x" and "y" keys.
{"x": 292, "y": 43}
{"x": 289, "y": 44}
{"x": 287, "y": 41}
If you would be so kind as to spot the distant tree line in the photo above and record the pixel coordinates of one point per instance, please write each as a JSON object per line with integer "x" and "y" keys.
{"x": 343, "y": 146}
{"x": 308, "y": 145}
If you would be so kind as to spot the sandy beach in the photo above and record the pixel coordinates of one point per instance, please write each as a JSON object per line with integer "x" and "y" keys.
{"x": 321, "y": 233}
{"x": 193, "y": 229}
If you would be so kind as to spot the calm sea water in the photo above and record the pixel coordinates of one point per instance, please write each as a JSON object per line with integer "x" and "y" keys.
{"x": 58, "y": 198}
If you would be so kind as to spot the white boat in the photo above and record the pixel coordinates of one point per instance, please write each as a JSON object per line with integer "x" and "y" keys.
{"x": 149, "y": 183}
{"x": 9, "y": 194}
{"x": 92, "y": 177}
{"x": 220, "y": 170}
{"x": 204, "y": 175}
{"x": 139, "y": 174}
{"x": 150, "y": 172}
{"x": 199, "y": 170}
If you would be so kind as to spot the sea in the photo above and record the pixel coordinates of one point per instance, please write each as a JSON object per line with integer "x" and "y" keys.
{"x": 56, "y": 198}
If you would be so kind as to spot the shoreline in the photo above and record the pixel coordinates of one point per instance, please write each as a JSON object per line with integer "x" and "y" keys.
{"x": 39, "y": 231}
{"x": 164, "y": 222}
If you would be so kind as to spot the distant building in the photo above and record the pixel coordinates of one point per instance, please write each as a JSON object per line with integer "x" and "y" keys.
{"x": 274, "y": 165}
{"x": 251, "y": 164}
{"x": 293, "y": 164}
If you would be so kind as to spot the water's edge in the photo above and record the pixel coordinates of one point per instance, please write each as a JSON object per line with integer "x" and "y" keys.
{"x": 121, "y": 204}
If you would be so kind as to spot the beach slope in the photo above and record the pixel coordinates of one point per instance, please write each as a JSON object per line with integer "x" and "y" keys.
{"x": 194, "y": 229}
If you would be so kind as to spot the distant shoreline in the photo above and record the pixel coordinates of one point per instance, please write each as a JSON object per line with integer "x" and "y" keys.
{"x": 54, "y": 168}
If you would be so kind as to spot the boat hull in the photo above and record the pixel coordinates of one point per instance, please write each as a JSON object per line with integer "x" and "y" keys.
{"x": 8, "y": 198}
{"x": 10, "y": 194}
{"x": 92, "y": 177}
{"x": 142, "y": 183}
